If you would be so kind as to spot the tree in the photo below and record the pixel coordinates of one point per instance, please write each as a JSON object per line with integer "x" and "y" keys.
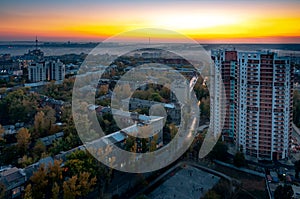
{"x": 78, "y": 186}
{"x": 43, "y": 122}
{"x": 283, "y": 192}
{"x": 38, "y": 149}
{"x": 86, "y": 183}
{"x": 173, "y": 130}
{"x": 47, "y": 181}
{"x": 1, "y": 133}
{"x": 205, "y": 108}
{"x": 70, "y": 141}
{"x": 165, "y": 93}
{"x": 223, "y": 189}
{"x": 102, "y": 90}
{"x": 69, "y": 128}
{"x": 38, "y": 124}
{"x": 296, "y": 108}
{"x": 153, "y": 143}
{"x": 9, "y": 155}
{"x": 81, "y": 161}
{"x": 156, "y": 97}
{"x": 211, "y": 194}
{"x": 297, "y": 168}
{"x": 55, "y": 191}
{"x": 18, "y": 106}
{"x": 28, "y": 192}
{"x": 239, "y": 159}
{"x": 23, "y": 139}
{"x": 2, "y": 142}
{"x": 129, "y": 143}
{"x": 60, "y": 92}
{"x": 55, "y": 172}
{"x": 70, "y": 188}
{"x": 2, "y": 190}
{"x": 25, "y": 161}
{"x": 49, "y": 119}
{"x": 39, "y": 182}
{"x": 219, "y": 151}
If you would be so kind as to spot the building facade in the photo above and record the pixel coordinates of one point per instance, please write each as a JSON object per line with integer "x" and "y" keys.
{"x": 37, "y": 71}
{"x": 46, "y": 70}
{"x": 56, "y": 71}
{"x": 259, "y": 97}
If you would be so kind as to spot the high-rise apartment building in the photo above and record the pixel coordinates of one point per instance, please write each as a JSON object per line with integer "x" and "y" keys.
{"x": 56, "y": 70}
{"x": 46, "y": 70}
{"x": 259, "y": 92}
{"x": 37, "y": 71}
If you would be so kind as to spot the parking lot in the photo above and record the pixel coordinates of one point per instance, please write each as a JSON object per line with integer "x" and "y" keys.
{"x": 187, "y": 183}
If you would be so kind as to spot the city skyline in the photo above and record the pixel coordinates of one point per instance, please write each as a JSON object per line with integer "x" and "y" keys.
{"x": 205, "y": 21}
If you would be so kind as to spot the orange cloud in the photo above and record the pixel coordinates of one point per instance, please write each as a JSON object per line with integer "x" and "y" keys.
{"x": 205, "y": 22}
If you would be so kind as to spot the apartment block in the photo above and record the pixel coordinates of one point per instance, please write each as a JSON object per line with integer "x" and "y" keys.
{"x": 258, "y": 87}
{"x": 46, "y": 70}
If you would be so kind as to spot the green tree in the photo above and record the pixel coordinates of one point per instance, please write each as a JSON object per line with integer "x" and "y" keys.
{"x": 200, "y": 89}
{"x": 82, "y": 161}
{"x": 25, "y": 161}
{"x": 156, "y": 97}
{"x": 38, "y": 149}
{"x": 140, "y": 94}
{"x": 219, "y": 151}
{"x": 67, "y": 118}
{"x": 239, "y": 159}
{"x": 18, "y": 106}
{"x": 297, "y": 168}
{"x": 60, "y": 92}
{"x": 9, "y": 155}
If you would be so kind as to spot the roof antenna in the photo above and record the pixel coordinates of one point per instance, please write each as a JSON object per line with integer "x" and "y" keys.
{"x": 36, "y": 42}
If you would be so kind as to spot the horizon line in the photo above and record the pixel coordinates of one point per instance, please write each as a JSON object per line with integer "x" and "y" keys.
{"x": 200, "y": 42}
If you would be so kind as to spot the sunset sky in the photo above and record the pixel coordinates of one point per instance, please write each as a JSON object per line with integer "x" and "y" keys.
{"x": 214, "y": 21}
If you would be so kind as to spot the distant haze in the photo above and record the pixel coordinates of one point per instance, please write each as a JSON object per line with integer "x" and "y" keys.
{"x": 50, "y": 49}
